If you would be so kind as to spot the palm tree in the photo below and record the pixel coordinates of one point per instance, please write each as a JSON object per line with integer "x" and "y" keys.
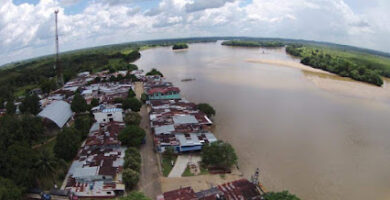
{"x": 46, "y": 165}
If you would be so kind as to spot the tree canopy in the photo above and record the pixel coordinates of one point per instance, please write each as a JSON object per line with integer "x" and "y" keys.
{"x": 132, "y": 103}
{"x": 30, "y": 104}
{"x": 9, "y": 190}
{"x": 78, "y": 104}
{"x": 219, "y": 154}
{"x": 10, "y": 107}
{"x": 180, "y": 46}
{"x": 130, "y": 178}
{"x": 131, "y": 93}
{"x": 154, "y": 72}
{"x": 132, "y": 136}
{"x": 132, "y": 118}
{"x": 207, "y": 109}
{"x": 285, "y": 195}
{"x": 67, "y": 143}
{"x": 83, "y": 124}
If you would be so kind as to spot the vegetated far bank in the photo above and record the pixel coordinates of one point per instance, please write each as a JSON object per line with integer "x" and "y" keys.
{"x": 360, "y": 67}
{"x": 180, "y": 46}
{"x": 243, "y": 43}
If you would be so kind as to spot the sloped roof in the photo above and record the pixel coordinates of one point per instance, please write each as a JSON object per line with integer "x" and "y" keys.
{"x": 58, "y": 111}
{"x": 184, "y": 119}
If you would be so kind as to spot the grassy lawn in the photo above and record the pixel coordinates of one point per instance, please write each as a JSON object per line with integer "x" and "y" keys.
{"x": 20, "y": 91}
{"x": 166, "y": 164}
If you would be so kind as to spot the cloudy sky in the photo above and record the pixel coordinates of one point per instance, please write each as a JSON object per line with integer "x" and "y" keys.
{"x": 27, "y": 26}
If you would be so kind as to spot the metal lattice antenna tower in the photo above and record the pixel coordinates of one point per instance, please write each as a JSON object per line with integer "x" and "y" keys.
{"x": 58, "y": 68}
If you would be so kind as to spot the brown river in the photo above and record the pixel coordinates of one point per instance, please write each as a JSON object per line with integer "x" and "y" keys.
{"x": 306, "y": 131}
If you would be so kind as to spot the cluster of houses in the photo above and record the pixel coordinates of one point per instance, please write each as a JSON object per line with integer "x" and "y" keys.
{"x": 239, "y": 189}
{"x": 175, "y": 122}
{"x": 96, "y": 172}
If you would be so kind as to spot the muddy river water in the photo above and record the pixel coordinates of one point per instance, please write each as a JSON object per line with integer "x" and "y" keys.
{"x": 316, "y": 143}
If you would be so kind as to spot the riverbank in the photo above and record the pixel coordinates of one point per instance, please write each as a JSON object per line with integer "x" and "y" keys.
{"x": 334, "y": 83}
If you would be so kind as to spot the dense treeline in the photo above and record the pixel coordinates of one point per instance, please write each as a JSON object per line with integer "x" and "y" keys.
{"x": 356, "y": 70}
{"x": 242, "y": 43}
{"x": 180, "y": 46}
{"x": 21, "y": 166}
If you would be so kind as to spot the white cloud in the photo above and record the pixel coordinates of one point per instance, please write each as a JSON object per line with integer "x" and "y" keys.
{"x": 26, "y": 30}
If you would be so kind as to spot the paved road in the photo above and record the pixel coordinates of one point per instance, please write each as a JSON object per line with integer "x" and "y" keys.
{"x": 181, "y": 164}
{"x": 149, "y": 182}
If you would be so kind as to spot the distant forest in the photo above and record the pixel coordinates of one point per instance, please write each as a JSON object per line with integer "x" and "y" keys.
{"x": 18, "y": 77}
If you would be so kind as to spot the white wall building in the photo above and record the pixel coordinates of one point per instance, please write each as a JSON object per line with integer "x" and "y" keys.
{"x": 109, "y": 114}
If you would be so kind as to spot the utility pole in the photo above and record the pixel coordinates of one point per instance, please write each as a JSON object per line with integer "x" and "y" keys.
{"x": 58, "y": 68}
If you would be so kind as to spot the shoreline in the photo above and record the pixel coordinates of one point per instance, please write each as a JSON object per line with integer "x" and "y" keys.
{"x": 333, "y": 83}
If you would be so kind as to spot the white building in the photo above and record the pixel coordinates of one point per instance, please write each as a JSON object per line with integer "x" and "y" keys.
{"x": 109, "y": 115}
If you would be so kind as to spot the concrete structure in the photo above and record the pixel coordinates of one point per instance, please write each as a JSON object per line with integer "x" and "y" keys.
{"x": 109, "y": 115}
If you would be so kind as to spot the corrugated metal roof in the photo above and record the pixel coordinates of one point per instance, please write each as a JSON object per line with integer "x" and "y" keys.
{"x": 164, "y": 129}
{"x": 59, "y": 112}
{"x": 184, "y": 119}
{"x": 109, "y": 110}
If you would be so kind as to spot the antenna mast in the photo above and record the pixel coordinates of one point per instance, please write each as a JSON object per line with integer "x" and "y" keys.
{"x": 58, "y": 68}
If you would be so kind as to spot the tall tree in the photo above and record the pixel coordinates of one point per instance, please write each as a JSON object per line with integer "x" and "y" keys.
{"x": 132, "y": 136}
{"x": 78, "y": 103}
{"x": 32, "y": 127}
{"x": 132, "y": 118}
{"x": 207, "y": 109}
{"x": 46, "y": 164}
{"x": 130, "y": 178}
{"x": 10, "y": 107}
{"x": 219, "y": 154}
{"x": 67, "y": 144}
{"x": 30, "y": 104}
{"x": 132, "y": 103}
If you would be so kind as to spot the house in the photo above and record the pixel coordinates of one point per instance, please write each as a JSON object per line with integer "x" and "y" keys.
{"x": 239, "y": 189}
{"x": 160, "y": 93}
{"x": 109, "y": 115}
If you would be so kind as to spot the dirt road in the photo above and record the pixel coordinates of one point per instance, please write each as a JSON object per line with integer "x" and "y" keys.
{"x": 149, "y": 182}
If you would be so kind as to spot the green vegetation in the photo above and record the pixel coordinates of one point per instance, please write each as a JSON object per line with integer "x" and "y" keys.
{"x": 30, "y": 104}
{"x": 132, "y": 159}
{"x": 132, "y": 103}
{"x": 360, "y": 67}
{"x": 83, "y": 123}
{"x": 130, "y": 178}
{"x": 219, "y": 154}
{"x": 243, "y": 43}
{"x": 187, "y": 171}
{"x": 10, "y": 107}
{"x": 167, "y": 164}
{"x": 67, "y": 144}
{"x": 78, "y": 104}
{"x": 144, "y": 97}
{"x": 131, "y": 93}
{"x": 135, "y": 195}
{"x": 8, "y": 190}
{"x": 285, "y": 195}
{"x": 132, "y": 136}
{"x": 132, "y": 118}
{"x": 154, "y": 72}
{"x": 180, "y": 46}
{"x": 207, "y": 109}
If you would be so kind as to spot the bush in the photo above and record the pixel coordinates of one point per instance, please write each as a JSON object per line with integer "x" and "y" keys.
{"x": 132, "y": 118}
{"x": 130, "y": 178}
{"x": 135, "y": 196}
{"x": 144, "y": 97}
{"x": 285, "y": 195}
{"x": 95, "y": 102}
{"x": 207, "y": 109}
{"x": 219, "y": 154}
{"x": 67, "y": 144}
{"x": 132, "y": 136}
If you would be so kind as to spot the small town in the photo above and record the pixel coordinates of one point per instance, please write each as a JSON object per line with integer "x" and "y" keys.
{"x": 138, "y": 134}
